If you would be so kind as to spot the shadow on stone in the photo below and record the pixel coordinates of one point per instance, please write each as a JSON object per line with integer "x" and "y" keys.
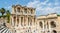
{"x": 4, "y": 24}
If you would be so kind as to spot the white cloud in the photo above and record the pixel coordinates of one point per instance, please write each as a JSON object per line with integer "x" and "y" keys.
{"x": 44, "y": 7}
{"x": 33, "y": 4}
{"x": 8, "y": 8}
{"x": 49, "y": 4}
{"x": 44, "y": 3}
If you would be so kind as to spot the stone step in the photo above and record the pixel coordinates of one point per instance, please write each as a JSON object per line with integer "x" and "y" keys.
{"x": 4, "y": 30}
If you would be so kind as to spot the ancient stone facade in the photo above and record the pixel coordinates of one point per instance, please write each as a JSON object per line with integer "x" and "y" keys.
{"x": 48, "y": 23}
{"x": 23, "y": 19}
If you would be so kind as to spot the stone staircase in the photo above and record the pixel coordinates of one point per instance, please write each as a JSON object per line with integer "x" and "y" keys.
{"x": 4, "y": 29}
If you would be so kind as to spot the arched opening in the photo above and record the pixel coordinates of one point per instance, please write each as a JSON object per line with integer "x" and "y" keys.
{"x": 48, "y": 31}
{"x": 25, "y": 10}
{"x": 54, "y": 31}
{"x": 17, "y": 20}
{"x": 29, "y": 21}
{"x": 4, "y": 24}
{"x": 53, "y": 24}
{"x": 31, "y": 11}
{"x": 18, "y": 9}
{"x": 41, "y": 24}
{"x": 21, "y": 21}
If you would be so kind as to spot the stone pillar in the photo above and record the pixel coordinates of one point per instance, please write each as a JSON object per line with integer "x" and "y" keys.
{"x": 19, "y": 21}
{"x": 43, "y": 25}
{"x": 46, "y": 27}
{"x": 23, "y": 21}
{"x": 27, "y": 20}
{"x": 16, "y": 18}
{"x": 12, "y": 21}
{"x": 16, "y": 21}
{"x": 49, "y": 27}
{"x": 32, "y": 21}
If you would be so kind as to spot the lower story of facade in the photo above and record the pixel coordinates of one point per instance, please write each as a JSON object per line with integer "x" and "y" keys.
{"x": 31, "y": 24}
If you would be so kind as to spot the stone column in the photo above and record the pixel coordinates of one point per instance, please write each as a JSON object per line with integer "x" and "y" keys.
{"x": 46, "y": 27}
{"x": 46, "y": 24}
{"x": 32, "y": 21}
{"x": 23, "y": 21}
{"x": 43, "y": 25}
{"x": 27, "y": 20}
{"x": 16, "y": 21}
{"x": 16, "y": 18}
{"x": 12, "y": 21}
{"x": 19, "y": 21}
{"x": 49, "y": 25}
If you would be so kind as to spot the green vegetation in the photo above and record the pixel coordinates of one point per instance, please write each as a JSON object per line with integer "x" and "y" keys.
{"x": 5, "y": 13}
{"x": 8, "y": 15}
{"x": 58, "y": 15}
{"x": 2, "y": 11}
{"x": 3, "y": 16}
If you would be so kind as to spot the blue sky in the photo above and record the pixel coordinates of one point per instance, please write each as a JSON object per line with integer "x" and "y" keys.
{"x": 43, "y": 7}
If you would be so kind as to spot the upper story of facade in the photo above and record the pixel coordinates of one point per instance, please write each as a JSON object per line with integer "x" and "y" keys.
{"x": 22, "y": 10}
